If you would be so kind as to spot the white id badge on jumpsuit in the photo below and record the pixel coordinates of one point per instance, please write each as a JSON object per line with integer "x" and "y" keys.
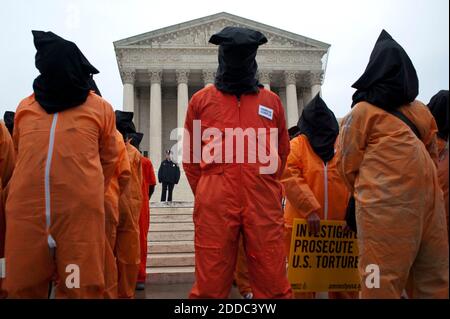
{"x": 2, "y": 268}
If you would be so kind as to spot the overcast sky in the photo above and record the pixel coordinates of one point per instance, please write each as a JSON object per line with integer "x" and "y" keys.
{"x": 350, "y": 26}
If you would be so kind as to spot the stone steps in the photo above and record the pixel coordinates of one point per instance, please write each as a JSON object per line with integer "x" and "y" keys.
{"x": 161, "y": 247}
{"x": 170, "y": 259}
{"x": 170, "y": 253}
{"x": 170, "y": 275}
{"x": 165, "y": 218}
{"x": 171, "y": 227}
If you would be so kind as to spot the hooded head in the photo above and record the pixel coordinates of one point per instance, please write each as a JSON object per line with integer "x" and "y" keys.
{"x": 293, "y": 132}
{"x": 124, "y": 123}
{"x": 65, "y": 74}
{"x": 439, "y": 107}
{"x": 237, "y": 69}
{"x": 135, "y": 139}
{"x": 8, "y": 117}
{"x": 390, "y": 79}
{"x": 319, "y": 124}
{"x": 94, "y": 86}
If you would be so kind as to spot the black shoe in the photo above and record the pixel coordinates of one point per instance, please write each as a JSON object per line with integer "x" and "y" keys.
{"x": 140, "y": 286}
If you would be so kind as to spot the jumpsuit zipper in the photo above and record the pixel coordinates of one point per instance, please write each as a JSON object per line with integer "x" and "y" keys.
{"x": 240, "y": 166}
{"x": 48, "y": 163}
{"x": 325, "y": 206}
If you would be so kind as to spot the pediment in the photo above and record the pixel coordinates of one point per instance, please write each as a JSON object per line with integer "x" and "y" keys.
{"x": 196, "y": 33}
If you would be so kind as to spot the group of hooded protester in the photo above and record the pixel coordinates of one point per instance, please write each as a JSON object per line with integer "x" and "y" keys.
{"x": 75, "y": 188}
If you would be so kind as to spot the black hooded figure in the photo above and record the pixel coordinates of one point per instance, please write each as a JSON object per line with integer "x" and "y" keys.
{"x": 65, "y": 74}
{"x": 8, "y": 117}
{"x": 124, "y": 123}
{"x": 439, "y": 107}
{"x": 319, "y": 124}
{"x": 237, "y": 69}
{"x": 390, "y": 79}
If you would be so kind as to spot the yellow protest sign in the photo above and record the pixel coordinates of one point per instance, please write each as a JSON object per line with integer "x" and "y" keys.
{"x": 327, "y": 261}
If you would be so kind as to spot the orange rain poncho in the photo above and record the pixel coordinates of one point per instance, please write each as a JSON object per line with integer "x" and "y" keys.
{"x": 399, "y": 204}
{"x": 56, "y": 199}
{"x": 148, "y": 180}
{"x": 234, "y": 198}
{"x": 312, "y": 187}
{"x": 116, "y": 187}
{"x": 7, "y": 161}
{"x": 127, "y": 244}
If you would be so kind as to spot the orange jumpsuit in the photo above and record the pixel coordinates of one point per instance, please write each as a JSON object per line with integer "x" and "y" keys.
{"x": 312, "y": 186}
{"x": 148, "y": 179}
{"x": 56, "y": 199}
{"x": 7, "y": 161}
{"x": 117, "y": 186}
{"x": 400, "y": 210}
{"x": 233, "y": 197}
{"x": 127, "y": 244}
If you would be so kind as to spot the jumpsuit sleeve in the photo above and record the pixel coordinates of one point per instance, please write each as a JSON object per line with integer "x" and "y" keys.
{"x": 430, "y": 139}
{"x": 283, "y": 139}
{"x": 123, "y": 168}
{"x": 109, "y": 152}
{"x": 152, "y": 177}
{"x": 297, "y": 190}
{"x": 7, "y": 156}
{"x": 191, "y": 164}
{"x": 351, "y": 148}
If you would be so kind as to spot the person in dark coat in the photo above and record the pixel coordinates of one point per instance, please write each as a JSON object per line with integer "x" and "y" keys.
{"x": 168, "y": 175}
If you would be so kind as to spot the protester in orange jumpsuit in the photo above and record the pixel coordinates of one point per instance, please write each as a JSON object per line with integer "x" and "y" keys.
{"x": 130, "y": 202}
{"x": 148, "y": 187}
{"x": 439, "y": 107}
{"x": 66, "y": 155}
{"x": 7, "y": 161}
{"x": 400, "y": 210}
{"x": 116, "y": 187}
{"x": 241, "y": 192}
{"x": 314, "y": 190}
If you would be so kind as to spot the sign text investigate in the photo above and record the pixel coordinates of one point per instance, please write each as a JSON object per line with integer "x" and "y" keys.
{"x": 326, "y": 261}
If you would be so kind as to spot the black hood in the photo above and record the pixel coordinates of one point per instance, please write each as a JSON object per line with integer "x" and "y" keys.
{"x": 124, "y": 123}
{"x": 65, "y": 74}
{"x": 390, "y": 79}
{"x": 94, "y": 86}
{"x": 237, "y": 69}
{"x": 439, "y": 108}
{"x": 319, "y": 124}
{"x": 8, "y": 117}
{"x": 135, "y": 138}
{"x": 293, "y": 132}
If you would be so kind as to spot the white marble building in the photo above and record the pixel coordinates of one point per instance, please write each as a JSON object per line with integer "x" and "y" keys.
{"x": 162, "y": 69}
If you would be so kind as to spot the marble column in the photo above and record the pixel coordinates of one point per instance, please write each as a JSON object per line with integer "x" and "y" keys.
{"x": 155, "y": 131}
{"x": 208, "y": 77}
{"x": 128, "y": 78}
{"x": 316, "y": 83}
{"x": 182, "y": 105}
{"x": 291, "y": 97}
{"x": 264, "y": 78}
{"x": 183, "y": 96}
